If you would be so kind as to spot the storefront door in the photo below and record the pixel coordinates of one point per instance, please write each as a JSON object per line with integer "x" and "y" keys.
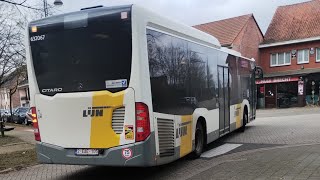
{"x": 271, "y": 96}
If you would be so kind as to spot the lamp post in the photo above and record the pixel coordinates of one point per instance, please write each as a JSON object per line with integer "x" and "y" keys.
{"x": 58, "y": 3}
{"x": 45, "y": 6}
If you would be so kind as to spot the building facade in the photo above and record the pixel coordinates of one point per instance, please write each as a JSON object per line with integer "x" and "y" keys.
{"x": 4, "y": 98}
{"x": 19, "y": 93}
{"x": 240, "y": 33}
{"x": 290, "y": 57}
{"x": 24, "y": 94}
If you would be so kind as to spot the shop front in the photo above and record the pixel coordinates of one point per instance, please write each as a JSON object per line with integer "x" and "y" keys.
{"x": 280, "y": 92}
{"x": 312, "y": 87}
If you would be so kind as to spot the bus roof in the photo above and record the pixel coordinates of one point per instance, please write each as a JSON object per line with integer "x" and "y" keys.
{"x": 159, "y": 21}
{"x": 235, "y": 53}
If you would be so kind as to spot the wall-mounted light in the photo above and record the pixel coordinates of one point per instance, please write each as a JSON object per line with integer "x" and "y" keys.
{"x": 311, "y": 51}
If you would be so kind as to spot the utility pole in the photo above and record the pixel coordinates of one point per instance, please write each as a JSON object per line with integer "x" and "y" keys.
{"x": 45, "y": 8}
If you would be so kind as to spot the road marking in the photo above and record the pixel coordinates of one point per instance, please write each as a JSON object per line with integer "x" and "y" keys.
{"x": 220, "y": 150}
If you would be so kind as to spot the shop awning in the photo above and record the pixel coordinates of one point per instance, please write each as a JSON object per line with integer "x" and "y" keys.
{"x": 292, "y": 73}
{"x": 277, "y": 80}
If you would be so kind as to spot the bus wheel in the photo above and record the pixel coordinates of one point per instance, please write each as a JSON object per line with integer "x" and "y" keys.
{"x": 199, "y": 141}
{"x": 245, "y": 120}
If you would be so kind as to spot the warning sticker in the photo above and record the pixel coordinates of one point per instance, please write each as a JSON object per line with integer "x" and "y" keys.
{"x": 129, "y": 133}
{"x": 127, "y": 153}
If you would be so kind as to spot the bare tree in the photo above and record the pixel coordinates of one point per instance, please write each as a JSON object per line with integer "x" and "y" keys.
{"x": 32, "y": 9}
{"x": 12, "y": 49}
{"x": 22, "y": 4}
{"x": 14, "y": 16}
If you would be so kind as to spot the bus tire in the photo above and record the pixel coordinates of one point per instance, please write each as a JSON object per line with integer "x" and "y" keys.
{"x": 245, "y": 120}
{"x": 199, "y": 141}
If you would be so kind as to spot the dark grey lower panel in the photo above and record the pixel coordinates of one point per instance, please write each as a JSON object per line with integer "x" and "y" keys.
{"x": 212, "y": 136}
{"x": 143, "y": 155}
{"x": 215, "y": 134}
{"x": 233, "y": 127}
{"x": 168, "y": 159}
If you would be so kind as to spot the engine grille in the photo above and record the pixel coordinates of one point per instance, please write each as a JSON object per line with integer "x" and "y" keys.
{"x": 166, "y": 137}
{"x": 118, "y": 120}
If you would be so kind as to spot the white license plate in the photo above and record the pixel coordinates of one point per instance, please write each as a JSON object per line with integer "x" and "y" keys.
{"x": 87, "y": 152}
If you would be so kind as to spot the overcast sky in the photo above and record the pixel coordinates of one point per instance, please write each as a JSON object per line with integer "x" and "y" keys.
{"x": 192, "y": 12}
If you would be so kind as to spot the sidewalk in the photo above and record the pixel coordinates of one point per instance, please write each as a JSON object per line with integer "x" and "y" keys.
{"x": 287, "y": 111}
{"x": 289, "y": 162}
{"x": 24, "y": 133}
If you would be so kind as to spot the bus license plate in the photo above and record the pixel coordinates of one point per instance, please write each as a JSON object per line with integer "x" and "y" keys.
{"x": 87, "y": 152}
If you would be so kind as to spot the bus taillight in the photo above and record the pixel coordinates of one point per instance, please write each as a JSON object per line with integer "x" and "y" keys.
{"x": 142, "y": 122}
{"x": 35, "y": 123}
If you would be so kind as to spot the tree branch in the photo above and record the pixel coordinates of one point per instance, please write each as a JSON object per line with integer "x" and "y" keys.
{"x": 21, "y": 4}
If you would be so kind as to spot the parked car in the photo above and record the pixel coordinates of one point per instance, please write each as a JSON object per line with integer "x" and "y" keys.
{"x": 6, "y": 116}
{"x": 19, "y": 116}
{"x": 29, "y": 115}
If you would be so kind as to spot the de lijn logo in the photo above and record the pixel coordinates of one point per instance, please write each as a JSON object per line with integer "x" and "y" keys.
{"x": 94, "y": 111}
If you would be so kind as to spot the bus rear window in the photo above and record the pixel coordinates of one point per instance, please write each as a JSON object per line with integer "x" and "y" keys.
{"x": 82, "y": 54}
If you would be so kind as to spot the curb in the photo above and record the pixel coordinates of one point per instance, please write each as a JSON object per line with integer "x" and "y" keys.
{"x": 6, "y": 171}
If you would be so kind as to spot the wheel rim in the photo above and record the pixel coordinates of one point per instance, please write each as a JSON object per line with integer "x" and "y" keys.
{"x": 199, "y": 140}
{"x": 25, "y": 121}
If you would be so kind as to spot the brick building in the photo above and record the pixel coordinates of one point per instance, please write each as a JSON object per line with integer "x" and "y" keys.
{"x": 5, "y": 97}
{"x": 20, "y": 92}
{"x": 241, "y": 34}
{"x": 290, "y": 57}
{"x": 24, "y": 94}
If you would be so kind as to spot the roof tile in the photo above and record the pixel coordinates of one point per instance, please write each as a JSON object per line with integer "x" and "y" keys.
{"x": 292, "y": 22}
{"x": 225, "y": 30}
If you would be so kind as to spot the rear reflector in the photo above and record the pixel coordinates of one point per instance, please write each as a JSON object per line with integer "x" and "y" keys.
{"x": 142, "y": 122}
{"x": 35, "y": 123}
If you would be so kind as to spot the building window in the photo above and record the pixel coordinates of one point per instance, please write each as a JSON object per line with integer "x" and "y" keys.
{"x": 280, "y": 59}
{"x": 303, "y": 56}
{"x": 318, "y": 55}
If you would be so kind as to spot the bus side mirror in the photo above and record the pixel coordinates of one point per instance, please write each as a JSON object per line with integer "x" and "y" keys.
{"x": 258, "y": 72}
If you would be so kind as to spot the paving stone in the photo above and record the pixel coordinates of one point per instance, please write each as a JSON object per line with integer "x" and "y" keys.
{"x": 272, "y": 128}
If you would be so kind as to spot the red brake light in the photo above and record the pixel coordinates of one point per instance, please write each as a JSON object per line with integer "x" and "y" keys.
{"x": 35, "y": 123}
{"x": 142, "y": 122}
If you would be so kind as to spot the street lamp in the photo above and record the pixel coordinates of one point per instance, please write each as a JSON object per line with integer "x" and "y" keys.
{"x": 58, "y": 3}
{"x": 45, "y": 6}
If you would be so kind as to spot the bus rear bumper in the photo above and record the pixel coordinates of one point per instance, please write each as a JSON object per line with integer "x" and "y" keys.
{"x": 143, "y": 154}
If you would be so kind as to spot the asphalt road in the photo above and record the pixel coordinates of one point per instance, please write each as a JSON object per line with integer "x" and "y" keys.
{"x": 279, "y": 144}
